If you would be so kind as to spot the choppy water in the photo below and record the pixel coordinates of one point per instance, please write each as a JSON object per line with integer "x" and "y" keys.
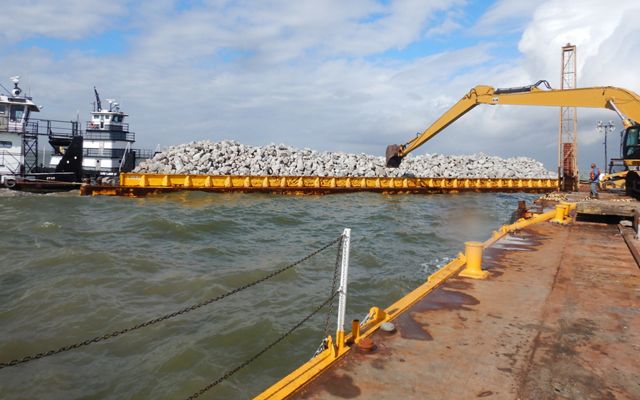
{"x": 72, "y": 268}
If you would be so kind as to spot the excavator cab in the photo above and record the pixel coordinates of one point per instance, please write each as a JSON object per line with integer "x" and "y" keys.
{"x": 631, "y": 144}
{"x": 631, "y": 158}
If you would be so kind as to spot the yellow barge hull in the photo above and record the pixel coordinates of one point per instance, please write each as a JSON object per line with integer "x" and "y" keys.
{"x": 135, "y": 185}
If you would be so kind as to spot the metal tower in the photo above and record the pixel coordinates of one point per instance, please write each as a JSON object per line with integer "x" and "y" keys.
{"x": 568, "y": 133}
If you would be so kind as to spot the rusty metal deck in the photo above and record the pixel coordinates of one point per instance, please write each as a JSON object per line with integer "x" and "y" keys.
{"x": 558, "y": 318}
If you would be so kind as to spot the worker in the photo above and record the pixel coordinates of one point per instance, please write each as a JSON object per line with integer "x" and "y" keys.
{"x": 594, "y": 178}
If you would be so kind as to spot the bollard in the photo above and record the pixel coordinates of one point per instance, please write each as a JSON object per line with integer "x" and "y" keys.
{"x": 561, "y": 211}
{"x": 567, "y": 210}
{"x": 355, "y": 330}
{"x": 473, "y": 255}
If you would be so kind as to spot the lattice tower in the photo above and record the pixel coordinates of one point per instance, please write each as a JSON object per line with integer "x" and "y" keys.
{"x": 568, "y": 132}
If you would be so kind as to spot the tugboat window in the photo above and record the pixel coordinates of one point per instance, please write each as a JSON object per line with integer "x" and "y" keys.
{"x": 2, "y": 108}
{"x": 16, "y": 113}
{"x": 4, "y": 144}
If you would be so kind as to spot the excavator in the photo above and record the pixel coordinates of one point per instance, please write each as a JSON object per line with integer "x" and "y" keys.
{"x": 624, "y": 102}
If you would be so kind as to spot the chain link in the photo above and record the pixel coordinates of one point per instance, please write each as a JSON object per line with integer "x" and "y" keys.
{"x": 261, "y": 352}
{"x": 166, "y": 316}
{"x": 333, "y": 287}
{"x": 323, "y": 344}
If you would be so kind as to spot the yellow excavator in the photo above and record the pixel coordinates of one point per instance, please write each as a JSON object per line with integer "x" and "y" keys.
{"x": 624, "y": 102}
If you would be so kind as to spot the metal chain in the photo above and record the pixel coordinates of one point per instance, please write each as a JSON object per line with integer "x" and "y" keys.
{"x": 164, "y": 317}
{"x": 261, "y": 352}
{"x": 333, "y": 287}
{"x": 323, "y": 343}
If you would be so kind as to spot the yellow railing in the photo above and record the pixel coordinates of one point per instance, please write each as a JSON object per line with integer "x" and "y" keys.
{"x": 306, "y": 372}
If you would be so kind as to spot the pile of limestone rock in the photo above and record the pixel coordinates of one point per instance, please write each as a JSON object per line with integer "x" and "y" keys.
{"x": 232, "y": 158}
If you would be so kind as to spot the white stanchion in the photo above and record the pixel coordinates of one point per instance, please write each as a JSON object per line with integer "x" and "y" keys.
{"x": 342, "y": 290}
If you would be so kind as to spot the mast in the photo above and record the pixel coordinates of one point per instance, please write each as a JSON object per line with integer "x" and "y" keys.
{"x": 98, "y": 103}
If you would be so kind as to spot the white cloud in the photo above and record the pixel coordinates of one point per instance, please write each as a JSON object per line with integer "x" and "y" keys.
{"x": 69, "y": 19}
{"x": 505, "y": 17}
{"x": 280, "y": 31}
{"x": 299, "y": 73}
{"x": 607, "y": 40}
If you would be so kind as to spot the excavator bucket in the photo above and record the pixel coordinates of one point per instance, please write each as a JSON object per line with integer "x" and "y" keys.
{"x": 393, "y": 156}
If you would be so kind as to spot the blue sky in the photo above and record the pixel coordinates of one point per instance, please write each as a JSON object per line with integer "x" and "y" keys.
{"x": 330, "y": 75}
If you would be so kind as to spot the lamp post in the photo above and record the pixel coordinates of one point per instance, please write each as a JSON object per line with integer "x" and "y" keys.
{"x": 605, "y": 128}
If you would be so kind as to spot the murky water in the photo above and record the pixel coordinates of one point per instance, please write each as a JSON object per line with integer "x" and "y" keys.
{"x": 76, "y": 267}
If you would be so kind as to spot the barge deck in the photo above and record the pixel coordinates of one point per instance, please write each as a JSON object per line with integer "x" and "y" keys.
{"x": 558, "y": 316}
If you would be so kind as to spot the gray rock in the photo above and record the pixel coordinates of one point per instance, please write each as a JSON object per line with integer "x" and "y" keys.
{"x": 228, "y": 157}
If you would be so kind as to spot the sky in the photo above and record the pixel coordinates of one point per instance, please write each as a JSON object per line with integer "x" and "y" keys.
{"x": 325, "y": 74}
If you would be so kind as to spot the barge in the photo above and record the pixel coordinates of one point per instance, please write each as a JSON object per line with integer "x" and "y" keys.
{"x": 142, "y": 184}
{"x": 547, "y": 308}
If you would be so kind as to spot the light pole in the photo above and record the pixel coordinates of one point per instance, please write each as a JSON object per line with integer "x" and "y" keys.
{"x": 605, "y": 128}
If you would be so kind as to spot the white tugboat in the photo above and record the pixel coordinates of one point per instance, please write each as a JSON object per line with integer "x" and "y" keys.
{"x": 107, "y": 145}
{"x": 20, "y": 166}
{"x": 15, "y": 111}
{"x": 104, "y": 149}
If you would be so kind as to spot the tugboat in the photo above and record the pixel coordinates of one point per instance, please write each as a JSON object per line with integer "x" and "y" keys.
{"x": 107, "y": 143}
{"x": 20, "y": 168}
{"x": 102, "y": 151}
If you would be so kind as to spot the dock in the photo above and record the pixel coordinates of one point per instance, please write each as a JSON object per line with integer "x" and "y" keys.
{"x": 556, "y": 317}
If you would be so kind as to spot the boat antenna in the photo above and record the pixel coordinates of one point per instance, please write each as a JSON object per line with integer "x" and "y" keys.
{"x": 15, "y": 80}
{"x": 5, "y": 89}
{"x": 98, "y": 103}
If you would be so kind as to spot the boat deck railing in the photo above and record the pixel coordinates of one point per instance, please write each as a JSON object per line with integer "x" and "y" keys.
{"x": 109, "y": 135}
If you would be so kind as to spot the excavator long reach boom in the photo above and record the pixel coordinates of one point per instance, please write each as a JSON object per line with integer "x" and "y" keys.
{"x": 624, "y": 102}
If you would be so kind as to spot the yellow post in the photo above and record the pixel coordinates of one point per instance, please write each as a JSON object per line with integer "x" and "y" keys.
{"x": 473, "y": 268}
{"x": 568, "y": 207}
{"x": 355, "y": 330}
{"x": 561, "y": 212}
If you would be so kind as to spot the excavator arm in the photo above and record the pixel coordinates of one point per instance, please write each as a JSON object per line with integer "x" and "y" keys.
{"x": 622, "y": 101}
